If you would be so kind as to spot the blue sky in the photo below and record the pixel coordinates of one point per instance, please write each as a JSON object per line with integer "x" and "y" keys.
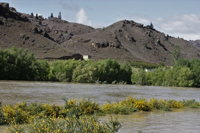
{"x": 179, "y": 18}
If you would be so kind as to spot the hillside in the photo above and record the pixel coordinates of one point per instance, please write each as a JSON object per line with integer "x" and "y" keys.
{"x": 128, "y": 40}
{"x": 17, "y": 30}
{"x": 55, "y": 38}
{"x": 195, "y": 43}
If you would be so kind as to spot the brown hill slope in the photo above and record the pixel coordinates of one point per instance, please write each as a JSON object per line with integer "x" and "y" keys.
{"x": 17, "y": 30}
{"x": 60, "y": 30}
{"x": 55, "y": 38}
{"x": 128, "y": 40}
{"x": 195, "y": 43}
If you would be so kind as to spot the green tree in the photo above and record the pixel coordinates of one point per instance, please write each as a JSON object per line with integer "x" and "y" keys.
{"x": 51, "y": 15}
{"x": 151, "y": 26}
{"x": 157, "y": 77}
{"x": 63, "y": 70}
{"x": 167, "y": 37}
{"x": 18, "y": 64}
{"x": 125, "y": 73}
{"x": 139, "y": 78}
{"x": 185, "y": 77}
{"x": 109, "y": 70}
{"x": 36, "y": 16}
{"x": 59, "y": 15}
{"x": 42, "y": 70}
{"x": 195, "y": 68}
{"x": 32, "y": 15}
{"x": 175, "y": 54}
{"x": 85, "y": 73}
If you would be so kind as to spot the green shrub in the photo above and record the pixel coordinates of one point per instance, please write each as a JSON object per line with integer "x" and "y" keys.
{"x": 63, "y": 70}
{"x": 140, "y": 64}
{"x": 65, "y": 125}
{"x": 18, "y": 64}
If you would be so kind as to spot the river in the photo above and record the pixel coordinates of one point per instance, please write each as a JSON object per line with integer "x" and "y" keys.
{"x": 183, "y": 121}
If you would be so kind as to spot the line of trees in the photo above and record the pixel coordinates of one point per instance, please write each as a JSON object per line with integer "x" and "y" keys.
{"x": 18, "y": 64}
{"x": 102, "y": 71}
{"x": 184, "y": 73}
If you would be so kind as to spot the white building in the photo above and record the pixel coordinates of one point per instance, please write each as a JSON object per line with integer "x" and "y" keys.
{"x": 86, "y": 57}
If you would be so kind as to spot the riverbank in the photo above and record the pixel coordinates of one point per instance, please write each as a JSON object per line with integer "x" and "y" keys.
{"x": 12, "y": 92}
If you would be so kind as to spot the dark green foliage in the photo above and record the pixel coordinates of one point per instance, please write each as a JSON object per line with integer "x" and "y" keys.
{"x": 18, "y": 64}
{"x": 51, "y": 15}
{"x": 178, "y": 76}
{"x": 191, "y": 103}
{"x": 167, "y": 37}
{"x": 155, "y": 77}
{"x": 184, "y": 73}
{"x": 32, "y": 15}
{"x": 85, "y": 72}
{"x": 125, "y": 73}
{"x": 140, "y": 64}
{"x": 150, "y": 26}
{"x": 36, "y": 16}
{"x": 195, "y": 67}
{"x": 102, "y": 71}
{"x": 63, "y": 70}
{"x": 108, "y": 70}
{"x": 139, "y": 77}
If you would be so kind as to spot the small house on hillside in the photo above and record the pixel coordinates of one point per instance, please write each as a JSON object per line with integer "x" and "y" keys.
{"x": 86, "y": 57}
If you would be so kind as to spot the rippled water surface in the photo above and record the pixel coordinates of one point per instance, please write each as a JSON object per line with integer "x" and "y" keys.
{"x": 184, "y": 121}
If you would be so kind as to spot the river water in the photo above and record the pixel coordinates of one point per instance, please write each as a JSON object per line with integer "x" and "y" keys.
{"x": 184, "y": 121}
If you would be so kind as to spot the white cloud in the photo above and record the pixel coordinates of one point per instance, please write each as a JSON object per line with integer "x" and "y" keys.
{"x": 82, "y": 17}
{"x": 185, "y": 26}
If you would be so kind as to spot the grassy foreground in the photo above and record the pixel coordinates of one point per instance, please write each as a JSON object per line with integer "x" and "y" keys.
{"x": 79, "y": 116}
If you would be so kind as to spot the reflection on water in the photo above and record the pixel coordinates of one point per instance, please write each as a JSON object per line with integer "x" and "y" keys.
{"x": 12, "y": 92}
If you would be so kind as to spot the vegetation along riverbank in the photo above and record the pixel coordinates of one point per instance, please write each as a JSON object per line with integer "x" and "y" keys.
{"x": 18, "y": 64}
{"x": 75, "y": 116}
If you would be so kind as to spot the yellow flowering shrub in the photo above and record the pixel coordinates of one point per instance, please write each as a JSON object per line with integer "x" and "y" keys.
{"x": 22, "y": 113}
{"x": 82, "y": 124}
{"x": 176, "y": 104}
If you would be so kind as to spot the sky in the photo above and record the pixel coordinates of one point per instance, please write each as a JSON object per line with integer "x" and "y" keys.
{"x": 178, "y": 18}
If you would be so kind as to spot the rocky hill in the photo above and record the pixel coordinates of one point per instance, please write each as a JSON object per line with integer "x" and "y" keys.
{"x": 128, "y": 40}
{"x": 195, "y": 43}
{"x": 17, "y": 30}
{"x": 55, "y": 38}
